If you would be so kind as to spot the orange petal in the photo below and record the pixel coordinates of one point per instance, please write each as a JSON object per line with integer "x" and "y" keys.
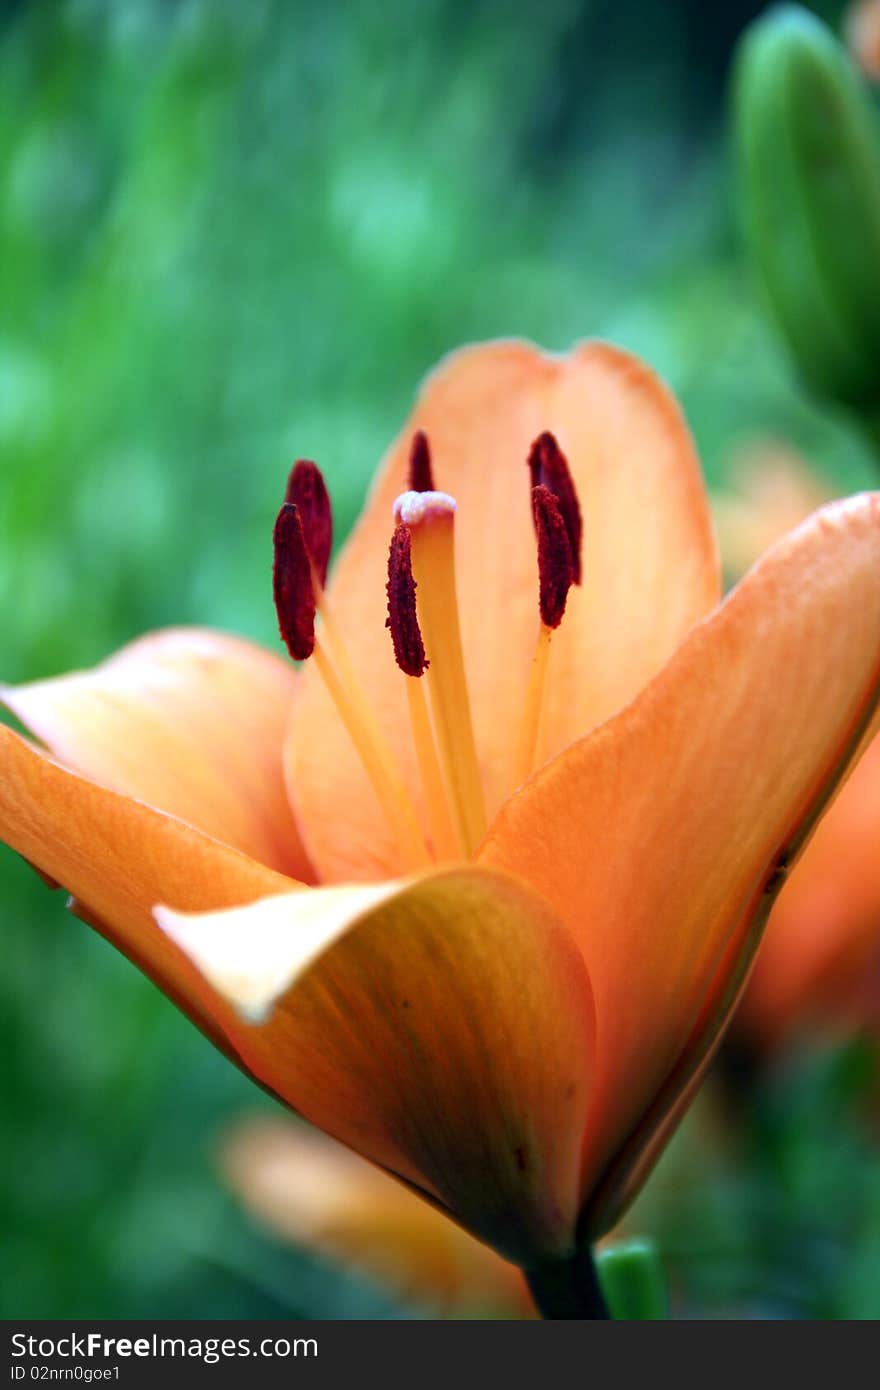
{"x": 819, "y": 963}
{"x": 118, "y": 857}
{"x": 188, "y": 720}
{"x": 312, "y": 1191}
{"x": 442, "y": 1027}
{"x": 656, "y": 837}
{"x": 650, "y": 571}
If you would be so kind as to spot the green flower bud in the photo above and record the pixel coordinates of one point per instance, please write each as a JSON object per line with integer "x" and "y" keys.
{"x": 631, "y": 1279}
{"x": 809, "y": 155}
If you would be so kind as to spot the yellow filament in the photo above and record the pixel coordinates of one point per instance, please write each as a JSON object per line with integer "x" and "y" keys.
{"x": 376, "y": 758}
{"x": 530, "y": 729}
{"x": 337, "y": 648}
{"x": 371, "y": 734}
{"x": 433, "y": 561}
{"x": 442, "y": 831}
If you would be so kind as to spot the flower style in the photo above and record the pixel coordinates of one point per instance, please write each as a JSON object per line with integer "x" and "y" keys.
{"x": 487, "y": 937}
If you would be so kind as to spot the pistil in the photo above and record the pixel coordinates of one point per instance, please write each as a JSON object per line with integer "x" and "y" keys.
{"x": 409, "y": 653}
{"x": 429, "y": 519}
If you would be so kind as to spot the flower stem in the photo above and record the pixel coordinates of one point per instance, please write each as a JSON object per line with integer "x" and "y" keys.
{"x": 568, "y": 1288}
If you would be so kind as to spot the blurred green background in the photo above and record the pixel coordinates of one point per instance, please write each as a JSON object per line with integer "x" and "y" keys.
{"x": 236, "y": 233}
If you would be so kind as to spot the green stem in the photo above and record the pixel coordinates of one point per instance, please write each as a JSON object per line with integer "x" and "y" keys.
{"x": 568, "y": 1288}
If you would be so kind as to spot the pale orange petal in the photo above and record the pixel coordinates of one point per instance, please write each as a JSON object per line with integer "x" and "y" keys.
{"x": 657, "y": 837}
{"x": 188, "y": 720}
{"x": 442, "y": 1027}
{"x": 118, "y": 857}
{"x": 311, "y": 1190}
{"x": 819, "y": 962}
{"x": 650, "y": 571}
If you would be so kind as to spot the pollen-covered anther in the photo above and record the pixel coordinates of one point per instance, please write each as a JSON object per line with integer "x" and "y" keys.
{"x": 409, "y": 649}
{"x": 421, "y": 475}
{"x": 555, "y": 566}
{"x": 549, "y": 468}
{"x": 307, "y": 491}
{"x": 292, "y": 584}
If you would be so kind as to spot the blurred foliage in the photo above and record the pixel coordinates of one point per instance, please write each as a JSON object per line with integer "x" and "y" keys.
{"x": 766, "y": 1203}
{"x": 236, "y": 233}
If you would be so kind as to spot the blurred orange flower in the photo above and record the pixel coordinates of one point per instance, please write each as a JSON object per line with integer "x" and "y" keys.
{"x": 537, "y": 901}
{"x": 818, "y": 969}
{"x": 772, "y": 490}
{"x": 313, "y": 1192}
{"x": 862, "y": 28}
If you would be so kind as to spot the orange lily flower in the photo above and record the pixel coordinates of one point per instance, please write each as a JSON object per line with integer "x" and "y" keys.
{"x": 313, "y": 1192}
{"x": 818, "y": 968}
{"x": 538, "y": 899}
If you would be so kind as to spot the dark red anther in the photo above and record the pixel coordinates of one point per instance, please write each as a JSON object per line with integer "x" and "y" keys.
{"x": 307, "y": 491}
{"x": 421, "y": 476}
{"x": 555, "y": 568}
{"x": 292, "y": 584}
{"x": 409, "y": 650}
{"x": 549, "y": 468}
